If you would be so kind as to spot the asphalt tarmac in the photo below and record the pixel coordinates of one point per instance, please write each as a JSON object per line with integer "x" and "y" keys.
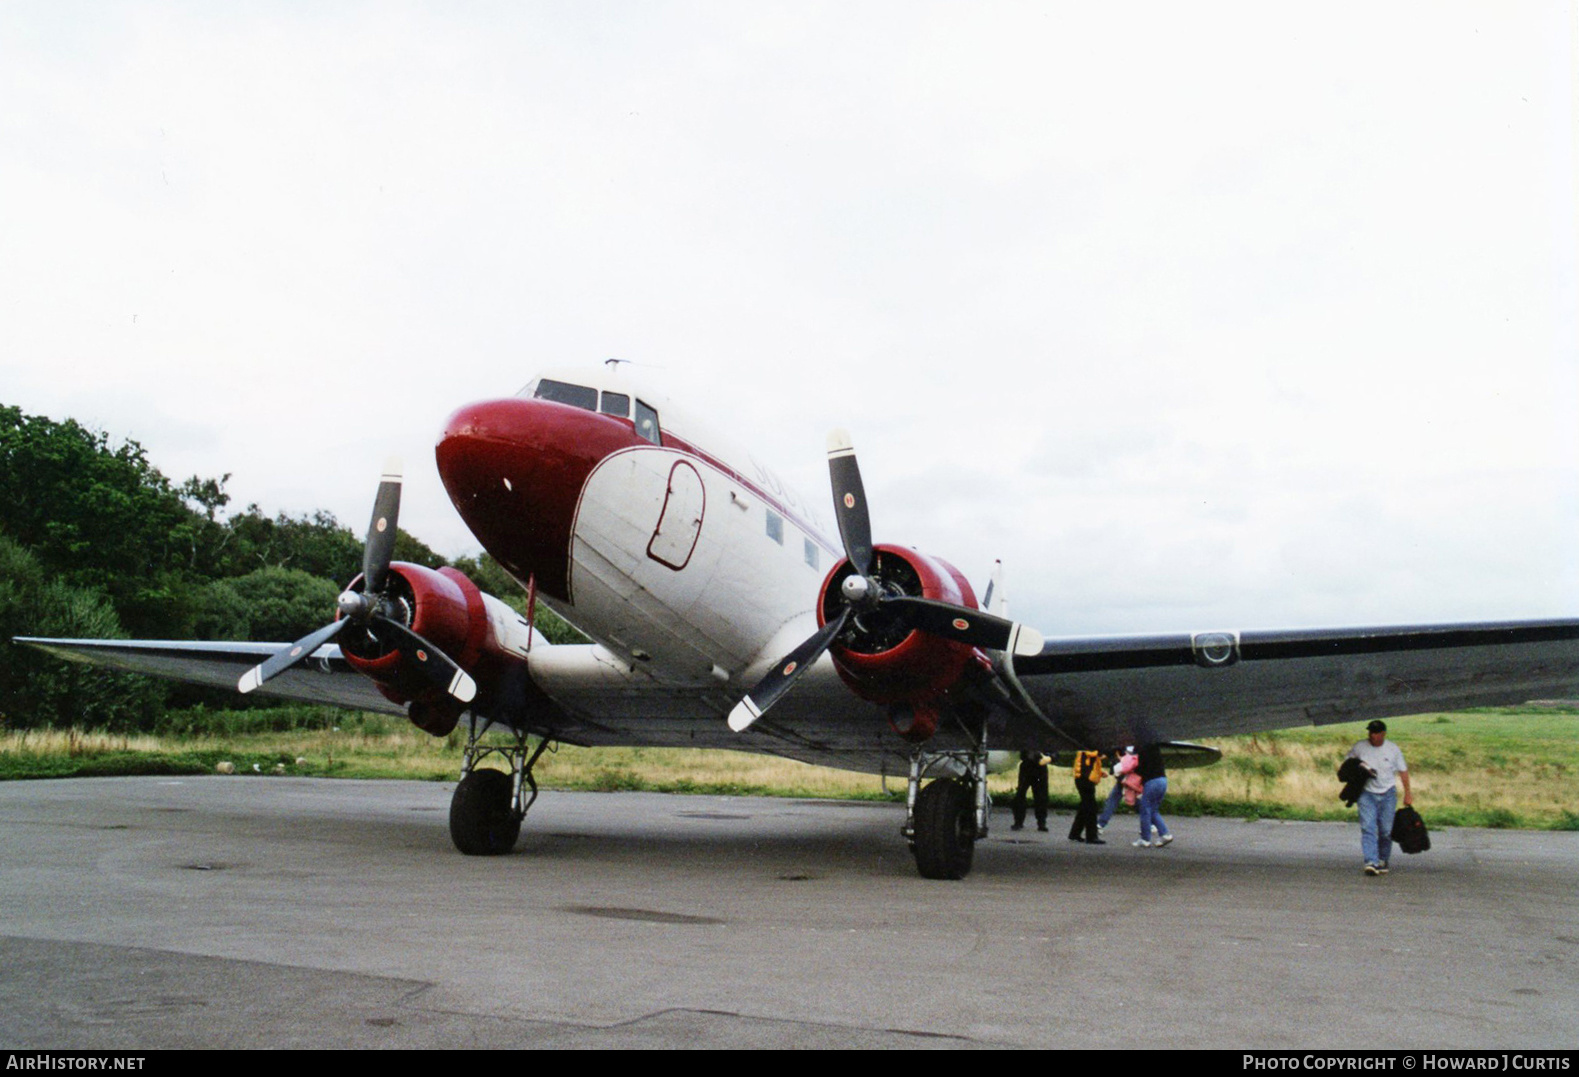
{"x": 244, "y": 912}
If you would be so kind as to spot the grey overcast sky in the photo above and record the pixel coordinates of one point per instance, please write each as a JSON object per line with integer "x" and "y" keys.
{"x": 1198, "y": 315}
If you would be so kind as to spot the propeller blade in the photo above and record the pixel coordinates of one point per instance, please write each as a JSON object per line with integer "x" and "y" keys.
{"x": 966, "y": 625}
{"x": 849, "y": 502}
{"x": 770, "y": 689}
{"x": 380, "y": 545}
{"x": 437, "y": 666}
{"x": 995, "y": 590}
{"x": 295, "y": 654}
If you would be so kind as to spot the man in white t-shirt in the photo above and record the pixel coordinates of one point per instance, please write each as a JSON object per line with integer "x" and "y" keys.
{"x": 1378, "y": 802}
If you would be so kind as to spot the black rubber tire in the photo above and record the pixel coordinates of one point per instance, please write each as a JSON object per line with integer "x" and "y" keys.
{"x": 945, "y": 838}
{"x": 481, "y": 822}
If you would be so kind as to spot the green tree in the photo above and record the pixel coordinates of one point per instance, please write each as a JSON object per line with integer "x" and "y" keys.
{"x": 410, "y": 548}
{"x": 275, "y": 605}
{"x": 315, "y": 543}
{"x": 101, "y": 517}
{"x": 37, "y": 689}
{"x": 285, "y": 603}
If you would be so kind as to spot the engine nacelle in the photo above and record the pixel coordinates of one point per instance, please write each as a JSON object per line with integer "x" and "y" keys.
{"x": 484, "y": 636}
{"x": 879, "y": 657}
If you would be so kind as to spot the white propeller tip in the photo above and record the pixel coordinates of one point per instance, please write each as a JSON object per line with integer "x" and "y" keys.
{"x": 743, "y": 715}
{"x": 463, "y": 687}
{"x": 1027, "y": 642}
{"x": 839, "y": 443}
{"x": 250, "y": 680}
{"x": 392, "y": 470}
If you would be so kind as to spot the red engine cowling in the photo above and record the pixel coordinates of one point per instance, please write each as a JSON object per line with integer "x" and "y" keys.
{"x": 884, "y": 661}
{"x": 447, "y": 609}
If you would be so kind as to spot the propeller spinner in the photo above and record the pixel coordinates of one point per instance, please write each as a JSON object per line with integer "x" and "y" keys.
{"x": 373, "y": 605}
{"x": 864, "y": 594}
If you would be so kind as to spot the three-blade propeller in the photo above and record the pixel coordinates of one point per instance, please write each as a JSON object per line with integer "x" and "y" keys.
{"x": 373, "y": 606}
{"x": 863, "y": 594}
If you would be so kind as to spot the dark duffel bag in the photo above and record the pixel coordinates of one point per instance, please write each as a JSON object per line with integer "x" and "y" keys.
{"x": 1409, "y": 832}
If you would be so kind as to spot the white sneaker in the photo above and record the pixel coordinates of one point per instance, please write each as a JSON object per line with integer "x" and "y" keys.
{"x": 1164, "y": 840}
{"x": 1141, "y": 843}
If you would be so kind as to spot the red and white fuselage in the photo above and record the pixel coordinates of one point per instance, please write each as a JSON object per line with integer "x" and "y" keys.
{"x": 682, "y": 557}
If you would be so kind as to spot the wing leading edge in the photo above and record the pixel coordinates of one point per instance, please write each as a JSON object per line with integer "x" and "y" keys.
{"x": 1133, "y": 689}
{"x": 324, "y": 678}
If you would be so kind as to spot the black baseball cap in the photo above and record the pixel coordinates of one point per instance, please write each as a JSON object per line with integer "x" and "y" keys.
{"x": 1378, "y": 726}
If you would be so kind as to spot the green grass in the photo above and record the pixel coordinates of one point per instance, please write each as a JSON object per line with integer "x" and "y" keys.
{"x": 1495, "y": 767}
{"x": 1490, "y": 767}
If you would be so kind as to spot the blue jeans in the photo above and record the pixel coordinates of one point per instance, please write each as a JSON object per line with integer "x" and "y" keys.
{"x": 1376, "y": 825}
{"x": 1106, "y": 815}
{"x": 1150, "y": 801}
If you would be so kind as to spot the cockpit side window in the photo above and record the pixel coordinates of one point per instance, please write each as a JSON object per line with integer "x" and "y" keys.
{"x": 616, "y": 404}
{"x": 647, "y": 423}
{"x": 560, "y": 392}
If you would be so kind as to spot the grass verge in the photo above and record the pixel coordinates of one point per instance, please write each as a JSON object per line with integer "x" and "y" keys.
{"x": 1494, "y": 767}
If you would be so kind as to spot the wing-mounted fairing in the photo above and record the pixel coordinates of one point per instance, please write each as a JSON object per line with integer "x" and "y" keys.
{"x": 904, "y": 629}
{"x": 883, "y": 657}
{"x": 423, "y": 636}
{"x": 485, "y": 638}
{"x": 368, "y": 667}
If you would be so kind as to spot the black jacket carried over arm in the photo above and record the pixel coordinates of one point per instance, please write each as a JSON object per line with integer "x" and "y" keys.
{"x": 1353, "y": 774}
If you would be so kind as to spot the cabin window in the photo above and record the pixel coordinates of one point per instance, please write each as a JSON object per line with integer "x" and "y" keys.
{"x": 647, "y": 423}
{"x": 616, "y": 404}
{"x": 811, "y": 553}
{"x": 579, "y": 396}
{"x": 775, "y": 527}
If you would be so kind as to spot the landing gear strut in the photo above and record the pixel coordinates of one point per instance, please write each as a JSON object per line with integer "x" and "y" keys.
{"x": 488, "y": 805}
{"x": 944, "y": 819}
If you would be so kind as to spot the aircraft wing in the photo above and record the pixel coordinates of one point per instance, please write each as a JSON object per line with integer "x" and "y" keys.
{"x": 1108, "y": 691}
{"x": 325, "y": 677}
{"x": 1097, "y": 691}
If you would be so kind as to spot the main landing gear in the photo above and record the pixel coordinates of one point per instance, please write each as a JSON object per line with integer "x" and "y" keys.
{"x": 488, "y": 805}
{"x": 944, "y": 819}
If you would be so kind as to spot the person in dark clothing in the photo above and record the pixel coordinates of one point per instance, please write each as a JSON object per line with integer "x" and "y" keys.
{"x": 1033, "y": 776}
{"x": 1155, "y": 787}
{"x": 1088, "y": 771}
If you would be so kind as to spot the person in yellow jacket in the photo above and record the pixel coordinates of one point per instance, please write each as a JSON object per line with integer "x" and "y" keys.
{"x": 1087, "y": 771}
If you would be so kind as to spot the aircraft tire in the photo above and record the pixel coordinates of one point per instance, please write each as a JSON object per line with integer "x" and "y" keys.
{"x": 481, "y": 822}
{"x": 945, "y": 838}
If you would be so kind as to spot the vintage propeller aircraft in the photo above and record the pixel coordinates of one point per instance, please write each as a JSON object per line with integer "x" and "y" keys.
{"x": 722, "y": 616}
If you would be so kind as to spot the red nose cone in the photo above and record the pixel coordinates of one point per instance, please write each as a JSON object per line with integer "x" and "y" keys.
{"x": 515, "y": 469}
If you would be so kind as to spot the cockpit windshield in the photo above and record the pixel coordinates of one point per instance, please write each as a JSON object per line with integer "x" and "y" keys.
{"x": 590, "y": 399}
{"x": 560, "y": 392}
